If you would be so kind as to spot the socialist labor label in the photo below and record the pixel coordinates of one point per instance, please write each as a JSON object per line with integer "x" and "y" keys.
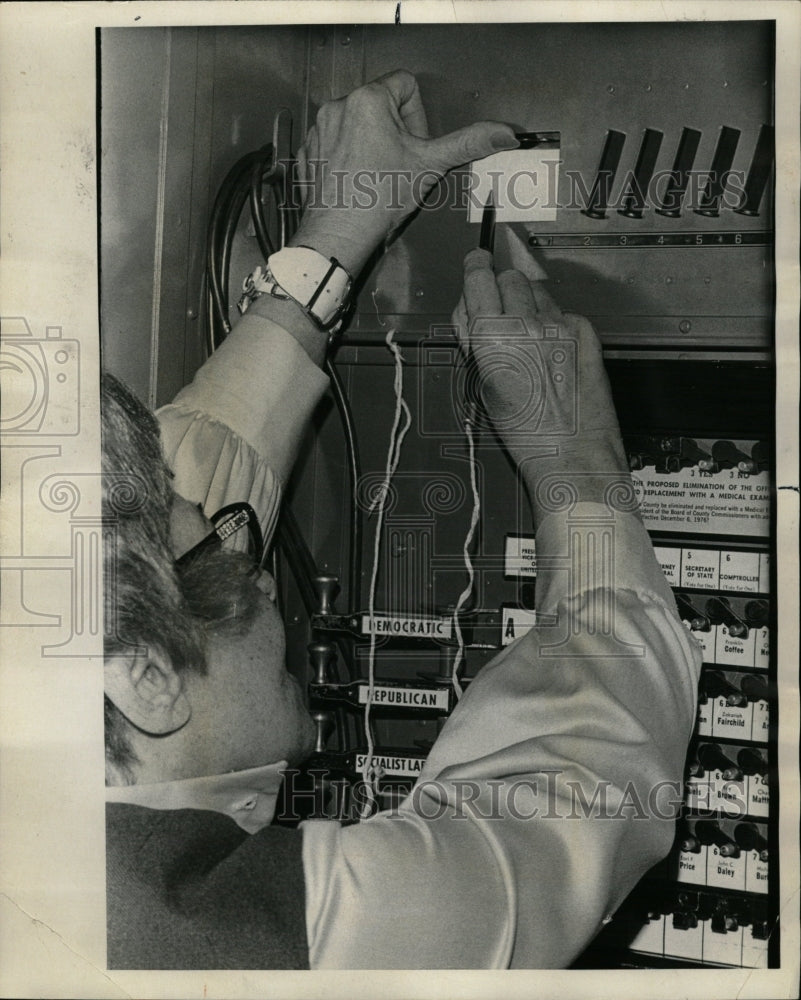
{"x": 405, "y": 767}
{"x": 404, "y": 697}
{"x": 407, "y": 628}
{"x": 728, "y": 502}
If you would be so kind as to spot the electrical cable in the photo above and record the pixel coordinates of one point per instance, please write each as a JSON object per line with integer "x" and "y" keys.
{"x": 244, "y": 183}
{"x": 354, "y": 473}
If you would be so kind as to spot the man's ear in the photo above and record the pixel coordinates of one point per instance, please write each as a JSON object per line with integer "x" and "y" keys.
{"x": 148, "y": 692}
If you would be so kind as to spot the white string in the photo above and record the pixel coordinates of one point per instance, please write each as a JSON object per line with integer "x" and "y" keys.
{"x": 468, "y": 562}
{"x": 369, "y": 773}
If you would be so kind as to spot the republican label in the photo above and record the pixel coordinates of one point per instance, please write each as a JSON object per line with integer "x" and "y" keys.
{"x": 401, "y": 697}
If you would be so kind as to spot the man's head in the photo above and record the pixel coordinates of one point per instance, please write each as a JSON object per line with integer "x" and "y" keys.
{"x": 194, "y": 657}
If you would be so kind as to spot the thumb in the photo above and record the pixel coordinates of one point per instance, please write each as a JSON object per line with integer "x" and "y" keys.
{"x": 473, "y": 142}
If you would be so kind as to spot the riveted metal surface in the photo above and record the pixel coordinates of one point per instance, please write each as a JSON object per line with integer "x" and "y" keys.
{"x": 583, "y": 79}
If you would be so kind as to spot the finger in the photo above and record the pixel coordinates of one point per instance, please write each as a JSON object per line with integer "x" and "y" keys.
{"x": 473, "y": 142}
{"x": 460, "y": 321}
{"x": 301, "y": 174}
{"x": 547, "y": 310}
{"x": 405, "y": 94}
{"x": 508, "y": 238}
{"x": 517, "y": 297}
{"x": 481, "y": 294}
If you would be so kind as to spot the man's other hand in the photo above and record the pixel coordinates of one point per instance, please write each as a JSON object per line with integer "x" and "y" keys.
{"x": 541, "y": 378}
{"x": 368, "y": 162}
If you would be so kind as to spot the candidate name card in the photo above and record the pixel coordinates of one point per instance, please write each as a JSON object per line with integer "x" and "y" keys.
{"x": 524, "y": 184}
{"x": 520, "y": 557}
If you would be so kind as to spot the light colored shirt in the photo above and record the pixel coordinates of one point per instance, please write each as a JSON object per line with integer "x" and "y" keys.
{"x": 248, "y": 797}
{"x": 553, "y": 785}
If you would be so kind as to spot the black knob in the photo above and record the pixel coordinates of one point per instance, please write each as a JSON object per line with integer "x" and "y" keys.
{"x": 761, "y": 454}
{"x": 729, "y": 456}
{"x": 680, "y": 174}
{"x": 693, "y": 454}
{"x": 758, "y": 173}
{"x": 719, "y": 171}
{"x": 751, "y": 762}
{"x": 756, "y": 613}
{"x": 324, "y": 721}
{"x": 321, "y": 656}
{"x": 327, "y": 590}
{"x": 757, "y": 688}
{"x": 637, "y": 191}
{"x": 685, "y": 921}
{"x": 607, "y": 168}
{"x": 709, "y": 832}
{"x": 715, "y": 685}
{"x": 749, "y": 837}
{"x": 713, "y": 759}
{"x": 689, "y": 613}
{"x": 720, "y": 612}
{"x": 688, "y": 842}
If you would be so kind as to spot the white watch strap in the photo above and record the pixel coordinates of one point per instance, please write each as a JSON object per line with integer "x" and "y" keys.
{"x": 321, "y": 285}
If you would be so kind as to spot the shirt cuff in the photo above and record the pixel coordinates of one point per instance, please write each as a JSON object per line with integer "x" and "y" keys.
{"x": 594, "y": 546}
{"x": 262, "y": 385}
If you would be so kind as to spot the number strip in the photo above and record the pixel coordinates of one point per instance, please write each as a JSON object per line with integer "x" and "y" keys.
{"x": 613, "y": 241}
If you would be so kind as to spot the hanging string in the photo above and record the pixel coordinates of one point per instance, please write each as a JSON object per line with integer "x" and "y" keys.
{"x": 400, "y": 425}
{"x": 468, "y": 562}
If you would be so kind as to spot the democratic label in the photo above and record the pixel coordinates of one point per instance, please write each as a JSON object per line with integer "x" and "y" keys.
{"x": 520, "y": 558}
{"x": 402, "y": 697}
{"x": 732, "y": 720}
{"x": 726, "y": 872}
{"x": 728, "y": 502}
{"x": 516, "y": 622}
{"x": 407, "y": 767}
{"x": 407, "y": 628}
{"x": 734, "y": 650}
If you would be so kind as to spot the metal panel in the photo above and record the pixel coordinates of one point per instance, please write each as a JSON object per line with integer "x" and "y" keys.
{"x": 583, "y": 79}
{"x": 178, "y": 108}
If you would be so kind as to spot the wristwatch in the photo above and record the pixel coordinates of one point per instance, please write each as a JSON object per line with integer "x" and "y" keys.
{"x": 320, "y": 285}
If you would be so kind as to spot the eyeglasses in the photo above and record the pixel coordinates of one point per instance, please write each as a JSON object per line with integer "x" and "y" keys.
{"x": 227, "y": 522}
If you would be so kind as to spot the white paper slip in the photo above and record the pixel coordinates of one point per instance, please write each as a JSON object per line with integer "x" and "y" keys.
{"x": 524, "y": 184}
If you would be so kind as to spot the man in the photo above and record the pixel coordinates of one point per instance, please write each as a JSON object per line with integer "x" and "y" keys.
{"x": 553, "y": 784}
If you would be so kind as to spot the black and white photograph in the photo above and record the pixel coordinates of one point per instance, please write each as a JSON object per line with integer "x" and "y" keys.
{"x": 400, "y": 500}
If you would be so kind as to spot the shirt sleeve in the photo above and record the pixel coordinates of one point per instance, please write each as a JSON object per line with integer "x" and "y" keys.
{"x": 234, "y": 432}
{"x": 551, "y": 790}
